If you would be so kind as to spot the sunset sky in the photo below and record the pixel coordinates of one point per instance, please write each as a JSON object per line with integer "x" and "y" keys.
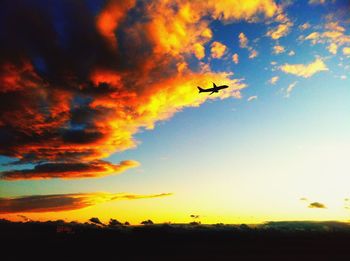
{"x": 101, "y": 115}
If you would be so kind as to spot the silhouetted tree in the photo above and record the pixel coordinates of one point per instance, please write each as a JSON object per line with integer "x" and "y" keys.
{"x": 195, "y": 221}
{"x": 95, "y": 220}
{"x": 114, "y": 222}
{"x": 147, "y": 222}
{"x": 127, "y": 223}
{"x": 244, "y": 227}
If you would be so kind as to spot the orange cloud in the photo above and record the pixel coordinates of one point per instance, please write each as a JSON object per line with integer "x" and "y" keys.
{"x": 18, "y": 77}
{"x": 314, "y": 36}
{"x": 304, "y": 26}
{"x": 117, "y": 77}
{"x": 283, "y": 28}
{"x": 243, "y": 40}
{"x": 106, "y": 77}
{"x": 235, "y": 58}
{"x": 70, "y": 170}
{"x": 237, "y": 10}
{"x": 109, "y": 18}
{"x": 280, "y": 31}
{"x": 305, "y": 71}
{"x": 333, "y": 48}
{"x": 183, "y": 29}
{"x": 199, "y": 51}
{"x": 64, "y": 202}
{"x": 277, "y": 49}
{"x": 274, "y": 80}
{"x": 244, "y": 43}
{"x": 253, "y": 54}
{"x": 334, "y": 35}
{"x": 218, "y": 49}
{"x": 177, "y": 30}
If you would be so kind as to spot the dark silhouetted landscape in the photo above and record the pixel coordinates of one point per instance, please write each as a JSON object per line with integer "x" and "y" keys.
{"x": 269, "y": 241}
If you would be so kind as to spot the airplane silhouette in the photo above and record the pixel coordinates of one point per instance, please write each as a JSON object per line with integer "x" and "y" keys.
{"x": 212, "y": 90}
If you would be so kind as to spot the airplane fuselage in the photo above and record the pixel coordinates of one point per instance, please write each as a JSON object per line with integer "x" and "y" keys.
{"x": 215, "y": 89}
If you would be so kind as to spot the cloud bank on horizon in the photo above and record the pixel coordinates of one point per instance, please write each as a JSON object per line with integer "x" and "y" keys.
{"x": 78, "y": 82}
{"x": 64, "y": 202}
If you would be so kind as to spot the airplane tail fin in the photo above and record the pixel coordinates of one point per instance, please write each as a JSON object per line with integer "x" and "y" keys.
{"x": 200, "y": 89}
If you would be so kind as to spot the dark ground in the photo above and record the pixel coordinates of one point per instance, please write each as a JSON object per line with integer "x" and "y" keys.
{"x": 271, "y": 241}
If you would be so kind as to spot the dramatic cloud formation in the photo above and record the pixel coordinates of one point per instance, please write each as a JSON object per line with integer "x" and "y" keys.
{"x": 78, "y": 81}
{"x": 316, "y": 205}
{"x": 305, "y": 71}
{"x": 64, "y": 202}
{"x": 70, "y": 170}
{"x": 217, "y": 50}
{"x": 74, "y": 93}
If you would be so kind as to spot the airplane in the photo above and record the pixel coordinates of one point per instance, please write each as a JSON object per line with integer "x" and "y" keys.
{"x": 212, "y": 90}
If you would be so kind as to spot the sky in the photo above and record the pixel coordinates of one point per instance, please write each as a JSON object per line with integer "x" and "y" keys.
{"x": 101, "y": 115}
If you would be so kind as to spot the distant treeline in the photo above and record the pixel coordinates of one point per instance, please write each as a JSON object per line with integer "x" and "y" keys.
{"x": 271, "y": 241}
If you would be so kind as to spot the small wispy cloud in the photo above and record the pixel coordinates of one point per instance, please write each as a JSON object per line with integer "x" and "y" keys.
{"x": 290, "y": 88}
{"x": 244, "y": 43}
{"x": 252, "y": 98}
{"x": 282, "y": 29}
{"x": 317, "y": 2}
{"x": 274, "y": 80}
{"x": 304, "y": 26}
{"x": 278, "y": 49}
{"x": 316, "y": 205}
{"x": 235, "y": 58}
